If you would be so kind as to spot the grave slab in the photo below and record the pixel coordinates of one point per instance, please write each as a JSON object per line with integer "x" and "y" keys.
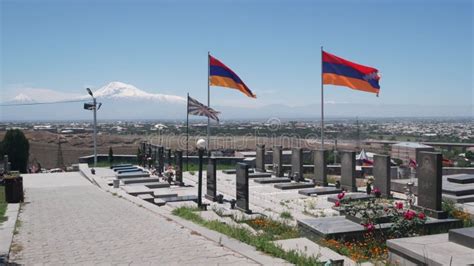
{"x": 233, "y": 171}
{"x": 260, "y": 175}
{"x": 272, "y": 180}
{"x": 130, "y": 171}
{"x": 164, "y": 194}
{"x": 461, "y": 179}
{"x": 120, "y": 165}
{"x": 320, "y": 191}
{"x": 157, "y": 185}
{"x": 125, "y": 168}
{"x": 127, "y": 181}
{"x": 146, "y": 197}
{"x": 311, "y": 249}
{"x": 286, "y": 186}
{"x": 462, "y": 236}
{"x": 428, "y": 250}
{"x": 137, "y": 190}
{"x": 351, "y": 196}
{"x": 132, "y": 175}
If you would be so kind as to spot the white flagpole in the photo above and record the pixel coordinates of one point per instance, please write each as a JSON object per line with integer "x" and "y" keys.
{"x": 322, "y": 102}
{"x": 208, "y": 100}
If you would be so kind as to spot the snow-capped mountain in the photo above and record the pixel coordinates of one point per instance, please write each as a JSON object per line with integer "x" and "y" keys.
{"x": 120, "y": 90}
{"x": 22, "y": 98}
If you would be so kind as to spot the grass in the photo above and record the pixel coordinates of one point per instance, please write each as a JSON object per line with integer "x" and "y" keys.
{"x": 286, "y": 215}
{"x": 263, "y": 242}
{"x": 449, "y": 206}
{"x": 3, "y": 205}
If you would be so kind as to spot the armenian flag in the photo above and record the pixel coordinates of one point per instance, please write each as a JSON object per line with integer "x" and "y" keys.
{"x": 223, "y": 76}
{"x": 341, "y": 72}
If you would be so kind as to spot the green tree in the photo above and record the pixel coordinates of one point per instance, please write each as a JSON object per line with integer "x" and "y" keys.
{"x": 111, "y": 155}
{"x": 17, "y": 147}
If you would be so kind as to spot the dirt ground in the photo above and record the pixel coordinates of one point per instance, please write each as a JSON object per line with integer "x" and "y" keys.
{"x": 45, "y": 148}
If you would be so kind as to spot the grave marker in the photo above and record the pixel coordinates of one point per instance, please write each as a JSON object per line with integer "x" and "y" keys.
{"x": 211, "y": 180}
{"x": 297, "y": 164}
{"x": 320, "y": 167}
{"x": 348, "y": 171}
{"x": 161, "y": 160}
{"x": 382, "y": 175}
{"x": 178, "y": 156}
{"x": 430, "y": 180}
{"x": 277, "y": 163}
{"x": 260, "y": 158}
{"x": 242, "y": 187}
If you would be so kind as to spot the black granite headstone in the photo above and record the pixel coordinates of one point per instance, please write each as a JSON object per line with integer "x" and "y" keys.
{"x": 161, "y": 160}
{"x": 242, "y": 187}
{"x": 320, "y": 167}
{"x": 348, "y": 171}
{"x": 260, "y": 158}
{"x": 178, "y": 156}
{"x": 430, "y": 170}
{"x": 297, "y": 164}
{"x": 277, "y": 162}
{"x": 168, "y": 156}
{"x": 211, "y": 180}
{"x": 382, "y": 174}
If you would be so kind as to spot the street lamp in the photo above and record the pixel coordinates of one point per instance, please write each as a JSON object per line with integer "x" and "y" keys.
{"x": 93, "y": 106}
{"x": 201, "y": 146}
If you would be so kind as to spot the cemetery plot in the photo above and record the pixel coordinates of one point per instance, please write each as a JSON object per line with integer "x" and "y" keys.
{"x": 296, "y": 185}
{"x": 272, "y": 180}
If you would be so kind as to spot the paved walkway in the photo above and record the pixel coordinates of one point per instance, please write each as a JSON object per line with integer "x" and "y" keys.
{"x": 67, "y": 220}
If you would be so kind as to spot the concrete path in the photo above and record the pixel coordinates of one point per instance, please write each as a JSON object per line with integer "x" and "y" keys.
{"x": 67, "y": 220}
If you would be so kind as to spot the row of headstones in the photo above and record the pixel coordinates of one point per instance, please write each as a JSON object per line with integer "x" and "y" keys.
{"x": 6, "y": 164}
{"x": 348, "y": 167}
{"x": 158, "y": 154}
{"x": 429, "y": 173}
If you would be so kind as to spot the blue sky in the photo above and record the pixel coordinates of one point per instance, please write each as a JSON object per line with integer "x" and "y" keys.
{"x": 423, "y": 49}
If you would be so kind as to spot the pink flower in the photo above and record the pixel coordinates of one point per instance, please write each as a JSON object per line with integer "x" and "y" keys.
{"x": 409, "y": 215}
{"x": 399, "y": 205}
{"x": 370, "y": 227}
{"x": 377, "y": 192}
{"x": 337, "y": 204}
{"x": 341, "y": 195}
{"x": 421, "y": 215}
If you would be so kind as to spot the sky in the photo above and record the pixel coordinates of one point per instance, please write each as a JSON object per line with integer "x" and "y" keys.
{"x": 423, "y": 49}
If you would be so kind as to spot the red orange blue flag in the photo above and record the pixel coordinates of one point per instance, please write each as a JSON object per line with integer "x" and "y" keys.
{"x": 223, "y": 76}
{"x": 341, "y": 72}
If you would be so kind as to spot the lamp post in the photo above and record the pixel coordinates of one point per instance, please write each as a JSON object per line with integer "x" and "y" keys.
{"x": 94, "y": 108}
{"x": 201, "y": 145}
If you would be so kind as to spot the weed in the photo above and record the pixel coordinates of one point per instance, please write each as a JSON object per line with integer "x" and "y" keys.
{"x": 286, "y": 215}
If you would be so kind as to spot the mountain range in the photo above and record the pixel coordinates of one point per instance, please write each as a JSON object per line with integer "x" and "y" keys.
{"x": 124, "y": 101}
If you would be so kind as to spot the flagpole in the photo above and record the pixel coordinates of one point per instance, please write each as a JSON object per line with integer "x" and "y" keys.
{"x": 187, "y": 133}
{"x": 322, "y": 102}
{"x": 208, "y": 100}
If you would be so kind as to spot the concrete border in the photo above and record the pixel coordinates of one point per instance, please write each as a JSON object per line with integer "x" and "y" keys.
{"x": 165, "y": 211}
{"x": 7, "y": 229}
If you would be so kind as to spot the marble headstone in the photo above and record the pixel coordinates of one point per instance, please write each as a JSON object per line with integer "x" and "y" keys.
{"x": 382, "y": 174}
{"x": 320, "y": 167}
{"x": 277, "y": 162}
{"x": 348, "y": 171}
{"x": 242, "y": 187}
{"x": 260, "y": 158}
{"x": 211, "y": 180}
{"x": 429, "y": 183}
{"x": 297, "y": 164}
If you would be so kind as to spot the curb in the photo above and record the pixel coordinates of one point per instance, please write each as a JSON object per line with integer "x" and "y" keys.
{"x": 7, "y": 229}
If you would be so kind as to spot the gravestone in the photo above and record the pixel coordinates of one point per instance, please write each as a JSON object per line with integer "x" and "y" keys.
{"x": 5, "y": 163}
{"x": 155, "y": 156}
{"x": 297, "y": 164}
{"x": 178, "y": 156}
{"x": 348, "y": 171}
{"x": 168, "y": 157}
{"x": 161, "y": 160}
{"x": 430, "y": 170}
{"x": 242, "y": 187}
{"x": 382, "y": 174}
{"x": 211, "y": 180}
{"x": 277, "y": 162}
{"x": 320, "y": 167}
{"x": 260, "y": 158}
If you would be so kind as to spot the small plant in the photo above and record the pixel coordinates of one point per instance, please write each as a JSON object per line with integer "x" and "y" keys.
{"x": 192, "y": 172}
{"x": 286, "y": 215}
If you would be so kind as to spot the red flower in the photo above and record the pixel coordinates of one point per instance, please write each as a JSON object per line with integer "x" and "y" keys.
{"x": 421, "y": 215}
{"x": 337, "y": 204}
{"x": 399, "y": 205}
{"x": 341, "y": 195}
{"x": 370, "y": 227}
{"x": 409, "y": 215}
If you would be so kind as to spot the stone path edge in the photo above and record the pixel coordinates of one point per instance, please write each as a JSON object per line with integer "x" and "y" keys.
{"x": 165, "y": 211}
{"x": 7, "y": 230}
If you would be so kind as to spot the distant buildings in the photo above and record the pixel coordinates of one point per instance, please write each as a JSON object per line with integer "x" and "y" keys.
{"x": 408, "y": 150}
